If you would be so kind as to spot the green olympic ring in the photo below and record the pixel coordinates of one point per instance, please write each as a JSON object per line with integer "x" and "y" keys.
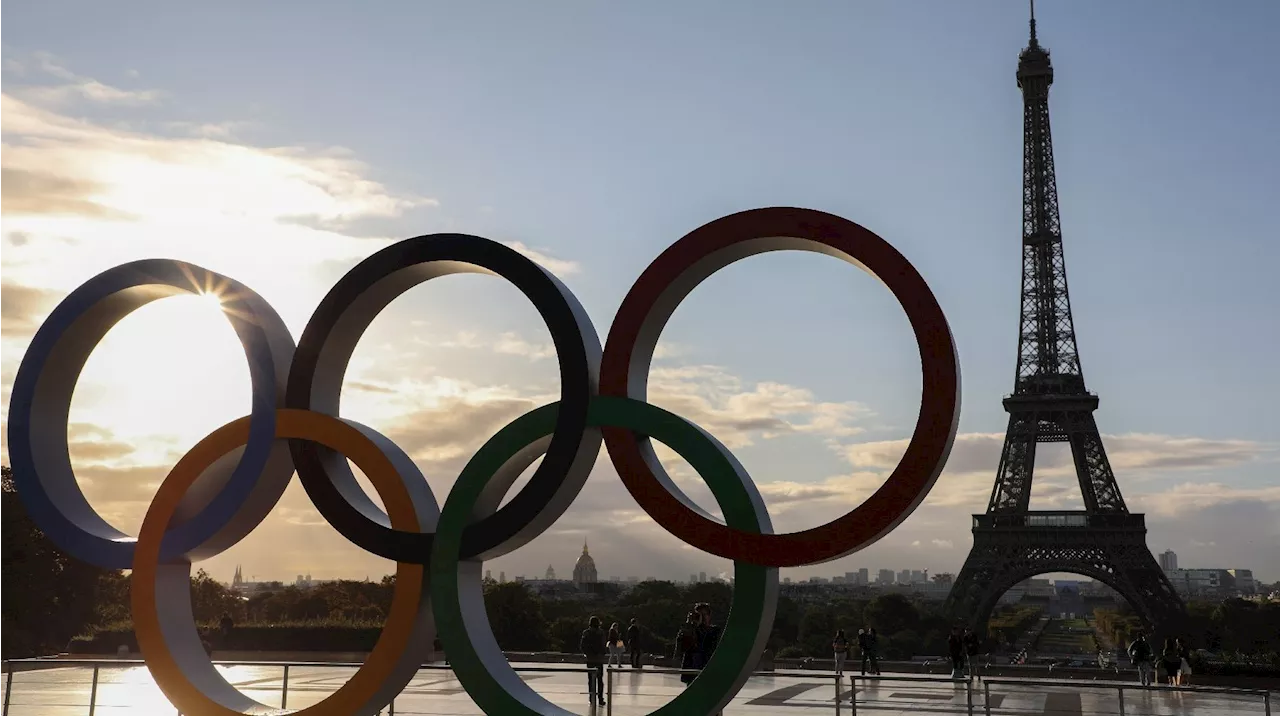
{"x": 457, "y": 590}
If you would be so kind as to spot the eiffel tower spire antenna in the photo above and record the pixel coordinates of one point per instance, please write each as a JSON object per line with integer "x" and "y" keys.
{"x": 1050, "y": 403}
{"x": 1034, "y": 42}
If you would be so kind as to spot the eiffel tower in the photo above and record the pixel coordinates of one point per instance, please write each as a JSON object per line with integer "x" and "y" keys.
{"x": 1051, "y": 404}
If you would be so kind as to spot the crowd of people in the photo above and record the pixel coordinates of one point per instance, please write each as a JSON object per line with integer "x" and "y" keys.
{"x": 695, "y": 644}
{"x": 699, "y": 635}
{"x": 867, "y": 645}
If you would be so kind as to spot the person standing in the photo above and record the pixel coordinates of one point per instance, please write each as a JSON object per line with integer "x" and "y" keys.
{"x": 955, "y": 649}
{"x": 873, "y": 647}
{"x": 592, "y": 647}
{"x": 971, "y": 651}
{"x": 1171, "y": 660}
{"x": 1184, "y": 668}
{"x": 840, "y": 645}
{"x": 687, "y": 648}
{"x": 1140, "y": 655}
{"x": 615, "y": 645}
{"x": 633, "y": 643}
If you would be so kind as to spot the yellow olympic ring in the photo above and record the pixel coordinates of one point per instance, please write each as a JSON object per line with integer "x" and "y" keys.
{"x": 194, "y": 686}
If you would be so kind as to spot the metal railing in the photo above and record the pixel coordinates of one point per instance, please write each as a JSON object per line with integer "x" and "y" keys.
{"x": 970, "y": 683}
{"x": 1120, "y": 687}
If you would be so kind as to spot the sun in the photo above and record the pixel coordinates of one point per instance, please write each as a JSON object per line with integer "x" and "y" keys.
{"x": 212, "y": 298}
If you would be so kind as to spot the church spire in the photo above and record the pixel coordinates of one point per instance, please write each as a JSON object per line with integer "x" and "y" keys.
{"x": 584, "y": 546}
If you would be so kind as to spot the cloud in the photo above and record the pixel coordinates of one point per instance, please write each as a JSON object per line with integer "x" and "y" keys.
{"x": 559, "y": 267}
{"x": 75, "y": 87}
{"x": 942, "y": 543}
{"x": 64, "y": 160}
{"x": 737, "y": 415}
{"x": 970, "y": 471}
{"x": 508, "y": 343}
{"x": 22, "y": 307}
{"x": 32, "y": 192}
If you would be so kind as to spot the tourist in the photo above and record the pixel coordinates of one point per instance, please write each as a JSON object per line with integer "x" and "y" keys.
{"x": 708, "y": 633}
{"x": 592, "y": 647}
{"x": 687, "y": 648}
{"x": 633, "y": 641}
{"x": 1140, "y": 654}
{"x": 1171, "y": 660}
{"x": 971, "y": 646}
{"x": 615, "y": 645}
{"x": 867, "y": 643}
{"x": 1184, "y": 668}
{"x": 840, "y": 645}
{"x": 955, "y": 649}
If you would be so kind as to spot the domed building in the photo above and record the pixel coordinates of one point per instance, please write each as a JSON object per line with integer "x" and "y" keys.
{"x": 584, "y": 572}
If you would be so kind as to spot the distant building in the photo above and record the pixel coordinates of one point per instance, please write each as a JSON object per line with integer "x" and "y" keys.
{"x": 864, "y": 577}
{"x": 502, "y": 577}
{"x": 919, "y": 577}
{"x": 584, "y": 571}
{"x": 885, "y": 577}
{"x": 551, "y": 573}
{"x": 488, "y": 575}
{"x": 1168, "y": 561}
{"x": 702, "y": 577}
{"x": 1244, "y": 581}
{"x": 904, "y": 577}
{"x": 1212, "y": 583}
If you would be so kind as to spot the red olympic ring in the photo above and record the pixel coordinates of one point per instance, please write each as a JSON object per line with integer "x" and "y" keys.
{"x": 646, "y": 309}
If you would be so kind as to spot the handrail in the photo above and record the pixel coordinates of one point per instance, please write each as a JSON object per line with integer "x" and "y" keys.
{"x": 854, "y": 679}
{"x": 1131, "y": 685}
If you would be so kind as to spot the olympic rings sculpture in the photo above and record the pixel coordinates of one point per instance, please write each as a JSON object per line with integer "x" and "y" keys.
{"x": 227, "y": 484}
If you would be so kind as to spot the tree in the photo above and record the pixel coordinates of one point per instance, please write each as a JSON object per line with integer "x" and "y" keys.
{"x": 515, "y": 614}
{"x": 891, "y": 613}
{"x": 49, "y": 597}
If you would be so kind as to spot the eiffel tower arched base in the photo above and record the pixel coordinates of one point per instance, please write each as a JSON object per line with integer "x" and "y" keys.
{"x": 1110, "y": 548}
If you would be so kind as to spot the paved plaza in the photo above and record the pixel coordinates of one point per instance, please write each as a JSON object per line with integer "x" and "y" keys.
{"x": 130, "y": 690}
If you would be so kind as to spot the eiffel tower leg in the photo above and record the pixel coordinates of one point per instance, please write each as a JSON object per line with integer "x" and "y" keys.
{"x": 1097, "y": 481}
{"x": 1012, "y": 491}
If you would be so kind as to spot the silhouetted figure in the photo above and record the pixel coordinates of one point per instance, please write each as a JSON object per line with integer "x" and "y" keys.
{"x": 1171, "y": 659}
{"x": 955, "y": 649}
{"x": 592, "y": 647}
{"x": 1140, "y": 654}
{"x": 614, "y": 643}
{"x": 633, "y": 643}
{"x": 687, "y": 647}
{"x": 971, "y": 646}
{"x": 840, "y": 646}
{"x": 867, "y": 644}
{"x": 1184, "y": 668}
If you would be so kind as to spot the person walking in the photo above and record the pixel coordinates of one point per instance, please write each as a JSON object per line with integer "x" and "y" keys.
{"x": 955, "y": 649}
{"x": 1140, "y": 655}
{"x": 1171, "y": 660}
{"x": 840, "y": 646}
{"x": 592, "y": 647}
{"x": 633, "y": 643}
{"x": 1184, "y": 668}
{"x": 615, "y": 645}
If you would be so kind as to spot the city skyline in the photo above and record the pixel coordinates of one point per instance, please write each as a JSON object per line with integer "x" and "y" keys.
{"x": 115, "y": 153}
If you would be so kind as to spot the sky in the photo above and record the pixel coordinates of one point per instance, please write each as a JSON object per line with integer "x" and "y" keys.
{"x": 282, "y": 143}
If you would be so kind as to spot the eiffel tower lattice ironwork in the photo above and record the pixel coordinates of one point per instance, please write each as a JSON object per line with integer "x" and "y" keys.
{"x": 1051, "y": 404}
